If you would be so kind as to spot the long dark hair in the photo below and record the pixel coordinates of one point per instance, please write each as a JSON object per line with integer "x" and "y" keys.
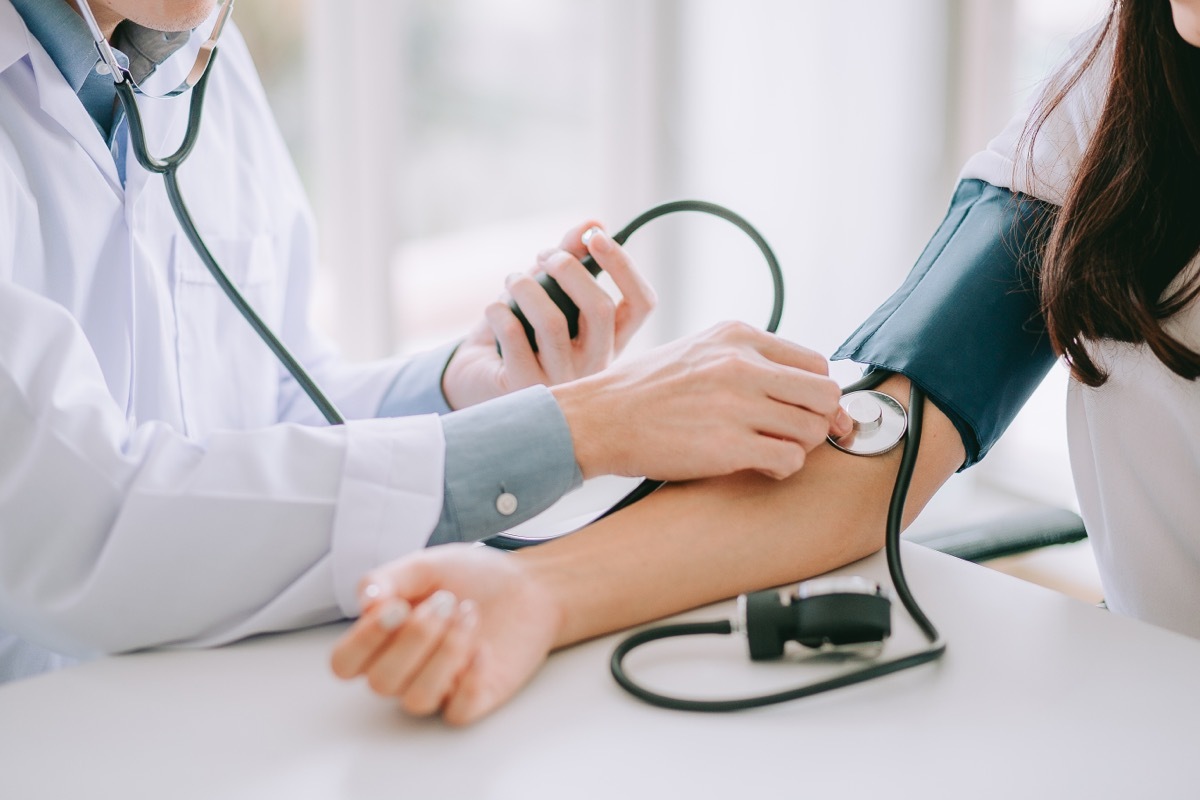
{"x": 1131, "y": 219}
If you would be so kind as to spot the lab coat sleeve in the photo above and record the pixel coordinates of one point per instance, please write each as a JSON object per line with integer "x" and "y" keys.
{"x": 517, "y": 445}
{"x": 417, "y": 387}
{"x": 116, "y": 536}
{"x": 488, "y": 451}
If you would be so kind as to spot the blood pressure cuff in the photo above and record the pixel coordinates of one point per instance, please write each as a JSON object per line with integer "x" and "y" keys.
{"x": 965, "y": 326}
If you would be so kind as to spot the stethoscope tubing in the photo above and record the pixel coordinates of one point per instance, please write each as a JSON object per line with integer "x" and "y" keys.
{"x": 168, "y": 167}
{"x": 877, "y": 669}
{"x": 649, "y": 485}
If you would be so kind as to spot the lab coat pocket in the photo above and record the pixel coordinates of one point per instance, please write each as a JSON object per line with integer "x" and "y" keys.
{"x": 228, "y": 377}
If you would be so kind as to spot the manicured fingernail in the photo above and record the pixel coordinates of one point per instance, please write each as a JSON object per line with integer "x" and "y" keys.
{"x": 393, "y": 614}
{"x": 843, "y": 422}
{"x": 554, "y": 264}
{"x": 468, "y": 614}
{"x": 594, "y": 238}
{"x": 442, "y": 603}
{"x": 512, "y": 276}
{"x": 370, "y": 593}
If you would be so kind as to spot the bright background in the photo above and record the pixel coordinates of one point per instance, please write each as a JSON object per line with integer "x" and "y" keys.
{"x": 446, "y": 142}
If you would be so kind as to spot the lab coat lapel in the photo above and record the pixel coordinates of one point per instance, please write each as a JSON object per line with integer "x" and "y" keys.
{"x": 165, "y": 120}
{"x": 13, "y": 36}
{"x": 62, "y": 104}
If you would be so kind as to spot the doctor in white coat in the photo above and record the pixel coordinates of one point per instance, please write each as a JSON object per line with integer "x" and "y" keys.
{"x": 163, "y": 481}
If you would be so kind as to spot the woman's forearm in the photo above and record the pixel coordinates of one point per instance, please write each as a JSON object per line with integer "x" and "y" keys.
{"x": 694, "y": 543}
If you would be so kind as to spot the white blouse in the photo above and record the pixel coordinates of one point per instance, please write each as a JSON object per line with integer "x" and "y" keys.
{"x": 1135, "y": 441}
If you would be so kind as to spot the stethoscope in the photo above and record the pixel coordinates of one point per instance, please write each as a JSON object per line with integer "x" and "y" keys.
{"x": 845, "y": 615}
{"x": 849, "y": 616}
{"x": 196, "y": 82}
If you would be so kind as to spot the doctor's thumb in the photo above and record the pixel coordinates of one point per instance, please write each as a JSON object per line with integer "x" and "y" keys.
{"x": 842, "y": 423}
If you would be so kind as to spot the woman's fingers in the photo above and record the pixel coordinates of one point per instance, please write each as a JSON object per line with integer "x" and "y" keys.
{"x": 411, "y": 645}
{"x": 471, "y": 699}
{"x": 437, "y": 657}
{"x": 357, "y": 649}
{"x": 411, "y": 579}
{"x": 387, "y": 596}
{"x": 437, "y": 677}
{"x": 414, "y": 655}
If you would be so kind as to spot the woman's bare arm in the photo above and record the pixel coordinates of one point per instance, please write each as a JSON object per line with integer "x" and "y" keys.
{"x": 460, "y": 629}
{"x": 694, "y": 543}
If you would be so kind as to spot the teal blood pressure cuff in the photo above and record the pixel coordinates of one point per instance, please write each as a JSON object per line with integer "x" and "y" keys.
{"x": 965, "y": 326}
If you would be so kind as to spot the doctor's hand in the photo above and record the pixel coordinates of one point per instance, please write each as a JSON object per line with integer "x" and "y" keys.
{"x": 733, "y": 398}
{"x": 454, "y": 630}
{"x": 477, "y": 372}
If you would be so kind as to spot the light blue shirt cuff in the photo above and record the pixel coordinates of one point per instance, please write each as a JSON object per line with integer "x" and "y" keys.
{"x": 507, "y": 460}
{"x": 417, "y": 387}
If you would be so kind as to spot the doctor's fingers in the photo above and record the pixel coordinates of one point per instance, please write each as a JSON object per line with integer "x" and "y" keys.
{"x": 787, "y": 422}
{"x": 572, "y": 240}
{"x": 638, "y": 297}
{"x": 770, "y": 346}
{"x": 801, "y": 388}
{"x": 594, "y": 347}
{"x": 405, "y": 653}
{"x": 775, "y": 458}
{"x": 521, "y": 366}
{"x": 555, "y": 348}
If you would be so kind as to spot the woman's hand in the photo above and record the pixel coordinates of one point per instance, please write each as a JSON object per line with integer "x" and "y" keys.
{"x": 455, "y": 630}
{"x": 477, "y": 372}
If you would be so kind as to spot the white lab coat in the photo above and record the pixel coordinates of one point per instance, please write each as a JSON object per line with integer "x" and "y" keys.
{"x": 161, "y": 479}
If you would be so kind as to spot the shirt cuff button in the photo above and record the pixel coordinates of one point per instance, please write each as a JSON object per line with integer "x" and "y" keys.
{"x": 506, "y": 504}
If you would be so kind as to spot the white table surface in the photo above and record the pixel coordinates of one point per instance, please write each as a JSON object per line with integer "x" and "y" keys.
{"x": 1038, "y": 696}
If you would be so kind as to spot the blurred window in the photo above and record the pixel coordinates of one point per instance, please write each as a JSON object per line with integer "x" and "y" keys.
{"x": 445, "y": 142}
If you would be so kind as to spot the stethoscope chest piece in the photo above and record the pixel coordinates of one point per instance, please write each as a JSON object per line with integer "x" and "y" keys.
{"x": 879, "y": 423}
